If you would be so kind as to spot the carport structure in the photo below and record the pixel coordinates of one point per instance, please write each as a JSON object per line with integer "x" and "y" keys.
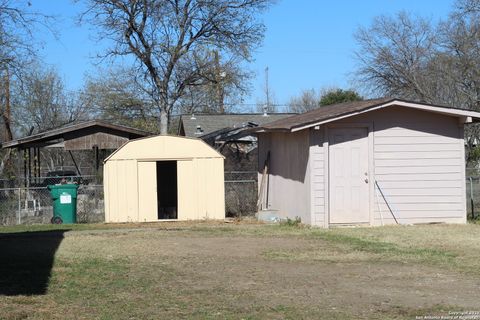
{"x": 93, "y": 135}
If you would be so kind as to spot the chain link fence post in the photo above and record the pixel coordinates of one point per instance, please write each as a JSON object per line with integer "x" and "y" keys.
{"x": 472, "y": 205}
{"x": 19, "y": 212}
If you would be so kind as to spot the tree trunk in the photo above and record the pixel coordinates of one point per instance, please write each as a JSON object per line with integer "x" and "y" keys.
{"x": 5, "y": 161}
{"x": 163, "y": 121}
{"x": 6, "y": 113}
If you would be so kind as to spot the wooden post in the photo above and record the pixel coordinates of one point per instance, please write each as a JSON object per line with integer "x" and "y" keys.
{"x": 39, "y": 174}
{"x": 35, "y": 165}
{"x": 29, "y": 152}
{"x": 263, "y": 183}
{"x": 25, "y": 167}
{"x": 97, "y": 162}
{"x": 75, "y": 163}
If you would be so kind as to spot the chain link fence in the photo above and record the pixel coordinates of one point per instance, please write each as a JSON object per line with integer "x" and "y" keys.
{"x": 33, "y": 205}
{"x": 241, "y": 193}
{"x": 473, "y": 193}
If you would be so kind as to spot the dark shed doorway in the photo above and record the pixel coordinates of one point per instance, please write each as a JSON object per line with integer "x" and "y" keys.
{"x": 167, "y": 189}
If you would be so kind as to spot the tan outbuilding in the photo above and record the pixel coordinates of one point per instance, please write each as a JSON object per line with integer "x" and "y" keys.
{"x": 164, "y": 178}
{"x": 372, "y": 162}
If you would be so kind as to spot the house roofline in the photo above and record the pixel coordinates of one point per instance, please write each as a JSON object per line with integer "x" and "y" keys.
{"x": 470, "y": 116}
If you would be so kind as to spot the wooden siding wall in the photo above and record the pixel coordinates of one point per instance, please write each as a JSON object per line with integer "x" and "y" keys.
{"x": 419, "y": 164}
{"x": 289, "y": 178}
{"x": 100, "y": 139}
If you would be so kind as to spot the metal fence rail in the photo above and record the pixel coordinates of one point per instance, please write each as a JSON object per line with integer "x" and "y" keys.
{"x": 20, "y": 182}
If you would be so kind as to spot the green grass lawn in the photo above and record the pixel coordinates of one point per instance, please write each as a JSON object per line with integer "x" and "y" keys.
{"x": 213, "y": 270}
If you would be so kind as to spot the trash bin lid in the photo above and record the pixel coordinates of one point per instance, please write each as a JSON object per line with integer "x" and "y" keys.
{"x": 63, "y": 186}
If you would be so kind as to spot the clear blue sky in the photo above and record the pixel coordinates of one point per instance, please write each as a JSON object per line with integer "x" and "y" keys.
{"x": 308, "y": 44}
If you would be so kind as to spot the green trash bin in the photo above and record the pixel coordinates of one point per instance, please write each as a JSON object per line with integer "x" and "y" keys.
{"x": 64, "y": 198}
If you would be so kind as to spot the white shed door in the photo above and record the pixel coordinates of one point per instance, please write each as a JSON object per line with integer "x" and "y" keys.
{"x": 348, "y": 175}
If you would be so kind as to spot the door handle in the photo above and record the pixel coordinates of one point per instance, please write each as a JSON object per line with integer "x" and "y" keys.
{"x": 366, "y": 180}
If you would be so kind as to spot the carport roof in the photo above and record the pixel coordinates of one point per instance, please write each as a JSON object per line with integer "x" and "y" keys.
{"x": 338, "y": 111}
{"x": 57, "y": 135}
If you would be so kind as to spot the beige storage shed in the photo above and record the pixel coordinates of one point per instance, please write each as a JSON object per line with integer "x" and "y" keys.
{"x": 164, "y": 178}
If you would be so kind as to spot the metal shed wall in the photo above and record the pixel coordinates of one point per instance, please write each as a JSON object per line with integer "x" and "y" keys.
{"x": 130, "y": 180}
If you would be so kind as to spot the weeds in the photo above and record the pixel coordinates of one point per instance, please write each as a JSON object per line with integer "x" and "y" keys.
{"x": 291, "y": 222}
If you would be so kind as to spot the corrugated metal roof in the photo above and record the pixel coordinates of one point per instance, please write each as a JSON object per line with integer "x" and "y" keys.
{"x": 213, "y": 122}
{"x": 58, "y": 133}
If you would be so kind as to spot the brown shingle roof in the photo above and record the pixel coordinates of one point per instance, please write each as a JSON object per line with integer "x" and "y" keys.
{"x": 323, "y": 113}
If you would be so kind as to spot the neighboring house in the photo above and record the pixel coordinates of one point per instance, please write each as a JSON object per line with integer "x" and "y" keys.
{"x": 369, "y": 162}
{"x": 227, "y": 133}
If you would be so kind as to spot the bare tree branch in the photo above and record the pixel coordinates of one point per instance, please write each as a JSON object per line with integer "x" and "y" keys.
{"x": 171, "y": 40}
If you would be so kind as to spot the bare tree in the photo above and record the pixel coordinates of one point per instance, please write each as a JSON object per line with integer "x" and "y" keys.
{"x": 170, "y": 40}
{"x": 467, "y": 7}
{"x": 225, "y": 89}
{"x": 17, "y": 49}
{"x": 115, "y": 95}
{"x": 410, "y": 58}
{"x": 306, "y": 101}
{"x": 311, "y": 99}
{"x": 15, "y": 31}
{"x": 18, "y": 25}
{"x": 41, "y": 101}
{"x": 393, "y": 56}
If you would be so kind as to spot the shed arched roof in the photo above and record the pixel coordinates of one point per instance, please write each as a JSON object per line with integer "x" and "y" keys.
{"x": 164, "y": 147}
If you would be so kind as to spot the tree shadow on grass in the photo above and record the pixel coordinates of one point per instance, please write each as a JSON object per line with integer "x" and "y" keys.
{"x": 26, "y": 260}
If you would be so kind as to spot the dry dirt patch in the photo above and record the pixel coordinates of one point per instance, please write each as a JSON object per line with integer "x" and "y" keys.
{"x": 247, "y": 272}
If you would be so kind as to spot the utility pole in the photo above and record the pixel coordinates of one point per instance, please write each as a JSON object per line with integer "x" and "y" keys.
{"x": 219, "y": 75}
{"x": 267, "y": 89}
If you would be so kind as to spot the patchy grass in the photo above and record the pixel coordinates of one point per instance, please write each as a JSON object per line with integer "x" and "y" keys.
{"x": 170, "y": 225}
{"x": 213, "y": 270}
